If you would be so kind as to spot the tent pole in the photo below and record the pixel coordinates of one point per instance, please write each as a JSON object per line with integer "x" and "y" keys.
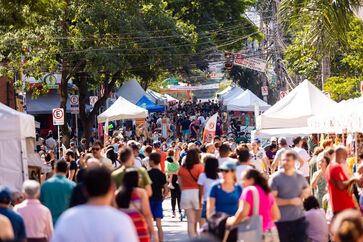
{"x": 356, "y": 148}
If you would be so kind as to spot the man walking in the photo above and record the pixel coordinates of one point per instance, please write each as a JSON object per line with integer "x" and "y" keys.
{"x": 290, "y": 188}
{"x": 96, "y": 220}
{"x": 55, "y": 193}
{"x": 37, "y": 218}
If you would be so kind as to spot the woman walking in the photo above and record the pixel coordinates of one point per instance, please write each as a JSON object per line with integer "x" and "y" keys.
{"x": 188, "y": 177}
{"x": 253, "y": 180}
{"x": 172, "y": 168}
{"x": 134, "y": 201}
{"x": 318, "y": 182}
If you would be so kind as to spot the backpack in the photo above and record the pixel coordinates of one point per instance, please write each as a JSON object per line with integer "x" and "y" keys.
{"x": 216, "y": 226}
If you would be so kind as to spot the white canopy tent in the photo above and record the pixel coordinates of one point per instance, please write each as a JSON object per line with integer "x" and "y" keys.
{"x": 171, "y": 99}
{"x": 236, "y": 91}
{"x": 156, "y": 97}
{"x": 222, "y": 93}
{"x": 294, "y": 110}
{"x": 246, "y": 102}
{"x": 17, "y": 132}
{"x": 122, "y": 109}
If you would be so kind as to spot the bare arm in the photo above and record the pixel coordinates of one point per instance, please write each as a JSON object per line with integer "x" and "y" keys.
{"x": 148, "y": 190}
{"x": 71, "y": 174}
{"x": 210, "y": 206}
{"x": 316, "y": 178}
{"x": 146, "y": 211}
{"x": 266, "y": 163}
{"x": 201, "y": 192}
{"x": 286, "y": 202}
{"x": 242, "y": 212}
{"x": 275, "y": 212}
{"x": 343, "y": 185}
{"x": 274, "y": 165}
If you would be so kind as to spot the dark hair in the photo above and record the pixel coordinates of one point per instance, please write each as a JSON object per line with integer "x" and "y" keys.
{"x": 125, "y": 154}
{"x": 70, "y": 153}
{"x": 260, "y": 180}
{"x": 348, "y": 226}
{"x": 148, "y": 149}
{"x": 203, "y": 149}
{"x": 98, "y": 142}
{"x": 155, "y": 158}
{"x": 297, "y": 140}
{"x": 318, "y": 150}
{"x": 130, "y": 181}
{"x": 273, "y": 146}
{"x": 361, "y": 156}
{"x": 224, "y": 149}
{"x": 290, "y": 153}
{"x": 244, "y": 155}
{"x": 211, "y": 166}
{"x": 311, "y": 203}
{"x": 97, "y": 181}
{"x": 171, "y": 152}
{"x": 61, "y": 166}
{"x": 191, "y": 159}
{"x": 327, "y": 160}
{"x": 134, "y": 146}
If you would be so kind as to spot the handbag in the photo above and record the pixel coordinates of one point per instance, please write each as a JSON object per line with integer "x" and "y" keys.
{"x": 250, "y": 230}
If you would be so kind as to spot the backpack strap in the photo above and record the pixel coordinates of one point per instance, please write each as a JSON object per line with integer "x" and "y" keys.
{"x": 256, "y": 200}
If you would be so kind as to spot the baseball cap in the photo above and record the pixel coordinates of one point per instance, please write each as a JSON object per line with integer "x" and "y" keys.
{"x": 257, "y": 140}
{"x": 228, "y": 165}
{"x": 5, "y": 193}
{"x": 273, "y": 139}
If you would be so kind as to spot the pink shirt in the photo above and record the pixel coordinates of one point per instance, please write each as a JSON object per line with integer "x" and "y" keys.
{"x": 266, "y": 203}
{"x": 37, "y": 219}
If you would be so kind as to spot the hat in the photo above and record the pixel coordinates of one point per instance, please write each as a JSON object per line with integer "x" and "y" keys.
{"x": 257, "y": 140}
{"x": 273, "y": 139}
{"x": 282, "y": 141}
{"x": 5, "y": 193}
{"x": 228, "y": 165}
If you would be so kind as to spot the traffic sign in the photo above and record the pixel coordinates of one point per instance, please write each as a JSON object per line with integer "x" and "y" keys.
{"x": 93, "y": 100}
{"x": 283, "y": 94}
{"x": 264, "y": 90}
{"x": 74, "y": 101}
{"x": 58, "y": 116}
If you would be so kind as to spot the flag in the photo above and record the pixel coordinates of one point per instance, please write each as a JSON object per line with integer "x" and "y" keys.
{"x": 210, "y": 129}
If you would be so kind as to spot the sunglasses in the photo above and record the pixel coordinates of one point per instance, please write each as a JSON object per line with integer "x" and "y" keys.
{"x": 95, "y": 149}
{"x": 226, "y": 171}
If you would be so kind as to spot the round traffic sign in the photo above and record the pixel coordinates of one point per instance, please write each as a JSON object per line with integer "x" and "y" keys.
{"x": 74, "y": 100}
{"x": 58, "y": 113}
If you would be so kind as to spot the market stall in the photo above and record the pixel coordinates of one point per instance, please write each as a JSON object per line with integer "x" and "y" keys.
{"x": 247, "y": 101}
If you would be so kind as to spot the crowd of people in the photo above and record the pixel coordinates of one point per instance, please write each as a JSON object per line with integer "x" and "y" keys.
{"x": 114, "y": 190}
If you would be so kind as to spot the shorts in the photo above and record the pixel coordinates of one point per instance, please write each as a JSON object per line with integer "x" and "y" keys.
{"x": 204, "y": 210}
{"x": 185, "y": 132}
{"x": 156, "y": 209}
{"x": 190, "y": 199}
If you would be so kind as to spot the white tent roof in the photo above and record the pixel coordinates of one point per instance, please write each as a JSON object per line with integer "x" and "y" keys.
{"x": 156, "y": 97}
{"x": 131, "y": 91}
{"x": 246, "y": 102}
{"x": 16, "y": 124}
{"x": 122, "y": 109}
{"x": 236, "y": 91}
{"x": 294, "y": 110}
{"x": 224, "y": 91}
{"x": 170, "y": 98}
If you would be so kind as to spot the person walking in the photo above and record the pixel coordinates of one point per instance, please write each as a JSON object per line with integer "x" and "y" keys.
{"x": 160, "y": 190}
{"x": 224, "y": 195}
{"x": 339, "y": 183}
{"x": 304, "y": 156}
{"x": 37, "y": 217}
{"x": 172, "y": 168}
{"x": 134, "y": 202}
{"x": 96, "y": 152}
{"x": 258, "y": 157}
{"x": 17, "y": 222}
{"x": 96, "y": 220}
{"x": 318, "y": 181}
{"x": 188, "y": 175}
{"x": 55, "y": 193}
{"x": 268, "y": 209}
{"x": 290, "y": 188}
{"x": 243, "y": 164}
{"x": 206, "y": 180}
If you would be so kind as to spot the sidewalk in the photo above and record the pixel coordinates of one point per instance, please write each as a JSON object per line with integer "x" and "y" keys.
{"x": 174, "y": 230}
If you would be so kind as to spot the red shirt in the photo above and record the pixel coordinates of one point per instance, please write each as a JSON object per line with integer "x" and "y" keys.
{"x": 189, "y": 178}
{"x": 339, "y": 199}
{"x": 163, "y": 159}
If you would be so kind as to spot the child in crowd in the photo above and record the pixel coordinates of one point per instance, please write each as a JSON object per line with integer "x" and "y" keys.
{"x": 317, "y": 229}
{"x": 172, "y": 167}
{"x": 159, "y": 191}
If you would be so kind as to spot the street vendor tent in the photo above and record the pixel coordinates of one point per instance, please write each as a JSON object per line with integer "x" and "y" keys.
{"x": 222, "y": 93}
{"x": 15, "y": 129}
{"x": 236, "y": 91}
{"x": 294, "y": 110}
{"x": 122, "y": 109}
{"x": 145, "y": 102}
{"x": 156, "y": 97}
{"x": 131, "y": 91}
{"x": 246, "y": 102}
{"x": 171, "y": 99}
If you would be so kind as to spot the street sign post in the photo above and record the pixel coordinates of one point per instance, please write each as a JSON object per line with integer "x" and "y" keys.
{"x": 283, "y": 94}
{"x": 74, "y": 101}
{"x": 58, "y": 119}
{"x": 264, "y": 90}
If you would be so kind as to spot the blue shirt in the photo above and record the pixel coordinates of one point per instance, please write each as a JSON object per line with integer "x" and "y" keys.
{"x": 55, "y": 193}
{"x": 226, "y": 202}
{"x": 17, "y": 223}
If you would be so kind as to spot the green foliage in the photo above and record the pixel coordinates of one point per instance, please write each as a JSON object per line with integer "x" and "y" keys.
{"x": 343, "y": 88}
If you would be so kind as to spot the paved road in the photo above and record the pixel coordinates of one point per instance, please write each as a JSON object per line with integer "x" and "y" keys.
{"x": 174, "y": 230}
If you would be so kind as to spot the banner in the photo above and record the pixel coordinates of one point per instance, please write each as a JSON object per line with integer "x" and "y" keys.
{"x": 210, "y": 129}
{"x": 250, "y": 63}
{"x": 193, "y": 88}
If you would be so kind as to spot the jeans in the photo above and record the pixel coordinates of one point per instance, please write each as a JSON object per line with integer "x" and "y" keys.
{"x": 292, "y": 231}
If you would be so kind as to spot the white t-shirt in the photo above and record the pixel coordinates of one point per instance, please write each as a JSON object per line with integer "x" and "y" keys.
{"x": 239, "y": 170}
{"x": 221, "y": 160}
{"x": 207, "y": 184}
{"x": 138, "y": 162}
{"x": 303, "y": 154}
{"x": 257, "y": 159}
{"x": 87, "y": 223}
